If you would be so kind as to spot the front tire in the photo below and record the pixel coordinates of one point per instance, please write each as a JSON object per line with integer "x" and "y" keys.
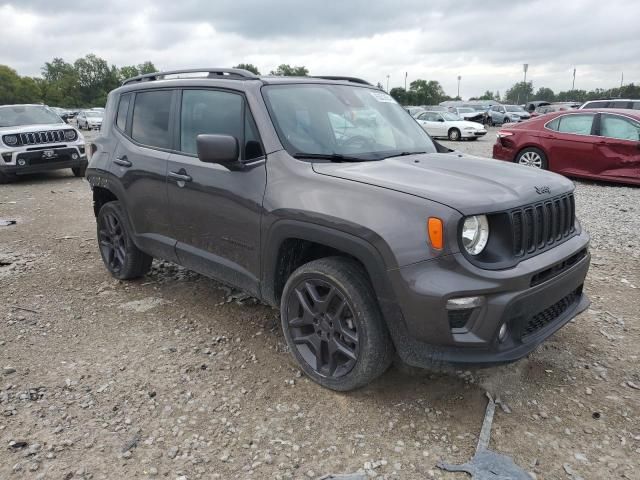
{"x": 454, "y": 134}
{"x": 79, "y": 171}
{"x": 333, "y": 325}
{"x": 532, "y": 157}
{"x": 7, "y": 178}
{"x": 120, "y": 255}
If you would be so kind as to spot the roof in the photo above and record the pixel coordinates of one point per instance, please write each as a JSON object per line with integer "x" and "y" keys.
{"x": 235, "y": 74}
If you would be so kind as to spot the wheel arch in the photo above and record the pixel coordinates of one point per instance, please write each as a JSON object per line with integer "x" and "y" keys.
{"x": 291, "y": 243}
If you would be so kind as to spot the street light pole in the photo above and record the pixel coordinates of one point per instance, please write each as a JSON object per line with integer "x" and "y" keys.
{"x": 573, "y": 84}
{"x": 405, "y": 80}
{"x": 621, "y": 82}
{"x": 387, "y": 83}
{"x": 525, "y": 67}
{"x": 459, "y": 78}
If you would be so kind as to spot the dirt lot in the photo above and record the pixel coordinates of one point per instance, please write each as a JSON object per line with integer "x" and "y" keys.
{"x": 174, "y": 376}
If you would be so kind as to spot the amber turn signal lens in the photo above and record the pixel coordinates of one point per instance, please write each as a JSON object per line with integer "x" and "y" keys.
{"x": 436, "y": 232}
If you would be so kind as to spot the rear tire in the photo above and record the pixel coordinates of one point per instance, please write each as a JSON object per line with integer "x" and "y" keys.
{"x": 79, "y": 171}
{"x": 120, "y": 255}
{"x": 532, "y": 157}
{"x": 454, "y": 134}
{"x": 333, "y": 325}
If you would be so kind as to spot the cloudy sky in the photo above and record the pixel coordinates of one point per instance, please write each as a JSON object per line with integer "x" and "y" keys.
{"x": 484, "y": 41}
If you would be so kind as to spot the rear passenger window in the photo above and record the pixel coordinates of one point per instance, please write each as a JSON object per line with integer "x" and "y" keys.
{"x": 209, "y": 111}
{"x": 123, "y": 108}
{"x": 578, "y": 124}
{"x": 150, "y": 124}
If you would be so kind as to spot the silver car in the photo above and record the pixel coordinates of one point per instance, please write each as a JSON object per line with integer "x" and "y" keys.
{"x": 500, "y": 114}
{"x": 89, "y": 119}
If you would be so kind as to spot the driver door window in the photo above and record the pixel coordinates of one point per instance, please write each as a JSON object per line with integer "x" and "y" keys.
{"x": 614, "y": 126}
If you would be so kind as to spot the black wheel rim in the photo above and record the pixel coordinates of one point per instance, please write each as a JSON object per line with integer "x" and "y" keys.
{"x": 323, "y": 327}
{"x": 112, "y": 242}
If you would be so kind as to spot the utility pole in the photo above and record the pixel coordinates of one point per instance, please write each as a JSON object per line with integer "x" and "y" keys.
{"x": 573, "y": 84}
{"x": 459, "y": 78}
{"x": 405, "y": 80}
{"x": 387, "y": 83}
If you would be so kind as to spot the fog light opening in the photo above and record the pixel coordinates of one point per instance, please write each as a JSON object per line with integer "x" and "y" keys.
{"x": 22, "y": 162}
{"x": 463, "y": 303}
{"x": 74, "y": 156}
{"x": 502, "y": 333}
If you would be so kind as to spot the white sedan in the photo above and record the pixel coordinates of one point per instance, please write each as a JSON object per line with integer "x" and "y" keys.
{"x": 449, "y": 125}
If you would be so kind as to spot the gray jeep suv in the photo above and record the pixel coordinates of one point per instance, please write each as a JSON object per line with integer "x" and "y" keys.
{"x": 325, "y": 198}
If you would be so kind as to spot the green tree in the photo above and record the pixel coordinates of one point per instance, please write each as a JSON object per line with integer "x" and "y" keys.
{"x": 545, "y": 94}
{"x": 400, "y": 95}
{"x": 9, "y": 85}
{"x": 146, "y": 67}
{"x": 487, "y": 95}
{"x": 519, "y": 93}
{"x": 96, "y": 79}
{"x": 286, "y": 70}
{"x": 425, "y": 92}
{"x": 128, "y": 71}
{"x": 248, "y": 66}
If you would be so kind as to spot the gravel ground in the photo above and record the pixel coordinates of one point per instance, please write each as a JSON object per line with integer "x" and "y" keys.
{"x": 174, "y": 376}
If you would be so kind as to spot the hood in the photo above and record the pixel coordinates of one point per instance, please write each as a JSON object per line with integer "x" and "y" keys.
{"x": 466, "y": 123}
{"x": 471, "y": 114}
{"x": 471, "y": 185}
{"x": 34, "y": 128}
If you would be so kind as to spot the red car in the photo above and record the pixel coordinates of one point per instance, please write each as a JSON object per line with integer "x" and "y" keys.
{"x": 599, "y": 144}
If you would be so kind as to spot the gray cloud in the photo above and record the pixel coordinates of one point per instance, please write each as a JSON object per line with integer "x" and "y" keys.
{"x": 484, "y": 41}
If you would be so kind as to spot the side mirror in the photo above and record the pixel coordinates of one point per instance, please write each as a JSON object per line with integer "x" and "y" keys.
{"x": 222, "y": 149}
{"x": 441, "y": 119}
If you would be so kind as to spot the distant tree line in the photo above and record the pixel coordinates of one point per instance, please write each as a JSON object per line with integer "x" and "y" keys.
{"x": 87, "y": 81}
{"x": 522, "y": 92}
{"x": 83, "y": 83}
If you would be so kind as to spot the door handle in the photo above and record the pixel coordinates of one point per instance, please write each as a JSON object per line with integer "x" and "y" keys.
{"x": 123, "y": 161}
{"x": 180, "y": 177}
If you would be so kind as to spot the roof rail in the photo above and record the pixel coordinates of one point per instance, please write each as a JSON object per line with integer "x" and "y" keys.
{"x": 230, "y": 73}
{"x": 346, "y": 79}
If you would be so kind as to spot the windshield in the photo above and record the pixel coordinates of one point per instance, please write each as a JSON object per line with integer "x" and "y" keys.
{"x": 13, "y": 116}
{"x": 93, "y": 114}
{"x": 513, "y": 108}
{"x": 341, "y": 120}
{"x": 450, "y": 117}
{"x": 466, "y": 110}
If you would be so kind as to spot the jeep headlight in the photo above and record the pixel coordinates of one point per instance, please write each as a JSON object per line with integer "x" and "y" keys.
{"x": 70, "y": 135}
{"x": 475, "y": 234}
{"x": 10, "y": 140}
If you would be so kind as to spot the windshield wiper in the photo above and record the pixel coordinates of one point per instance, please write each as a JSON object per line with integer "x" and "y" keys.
{"x": 334, "y": 157}
{"x": 404, "y": 154}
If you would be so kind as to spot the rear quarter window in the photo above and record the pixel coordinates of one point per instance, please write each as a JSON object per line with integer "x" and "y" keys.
{"x": 123, "y": 109}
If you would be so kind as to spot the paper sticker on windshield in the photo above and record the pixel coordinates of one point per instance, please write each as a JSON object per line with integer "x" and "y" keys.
{"x": 382, "y": 97}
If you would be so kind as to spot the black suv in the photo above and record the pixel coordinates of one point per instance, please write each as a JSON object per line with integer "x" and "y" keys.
{"x": 324, "y": 197}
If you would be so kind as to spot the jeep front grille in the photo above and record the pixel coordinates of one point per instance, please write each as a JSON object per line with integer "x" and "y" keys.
{"x": 39, "y": 138}
{"x": 537, "y": 226}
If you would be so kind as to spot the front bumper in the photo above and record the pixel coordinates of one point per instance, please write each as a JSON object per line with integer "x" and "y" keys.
{"x": 421, "y": 325}
{"x": 35, "y": 161}
{"x": 473, "y": 133}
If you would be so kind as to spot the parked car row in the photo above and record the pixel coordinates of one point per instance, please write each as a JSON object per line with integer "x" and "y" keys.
{"x": 588, "y": 143}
